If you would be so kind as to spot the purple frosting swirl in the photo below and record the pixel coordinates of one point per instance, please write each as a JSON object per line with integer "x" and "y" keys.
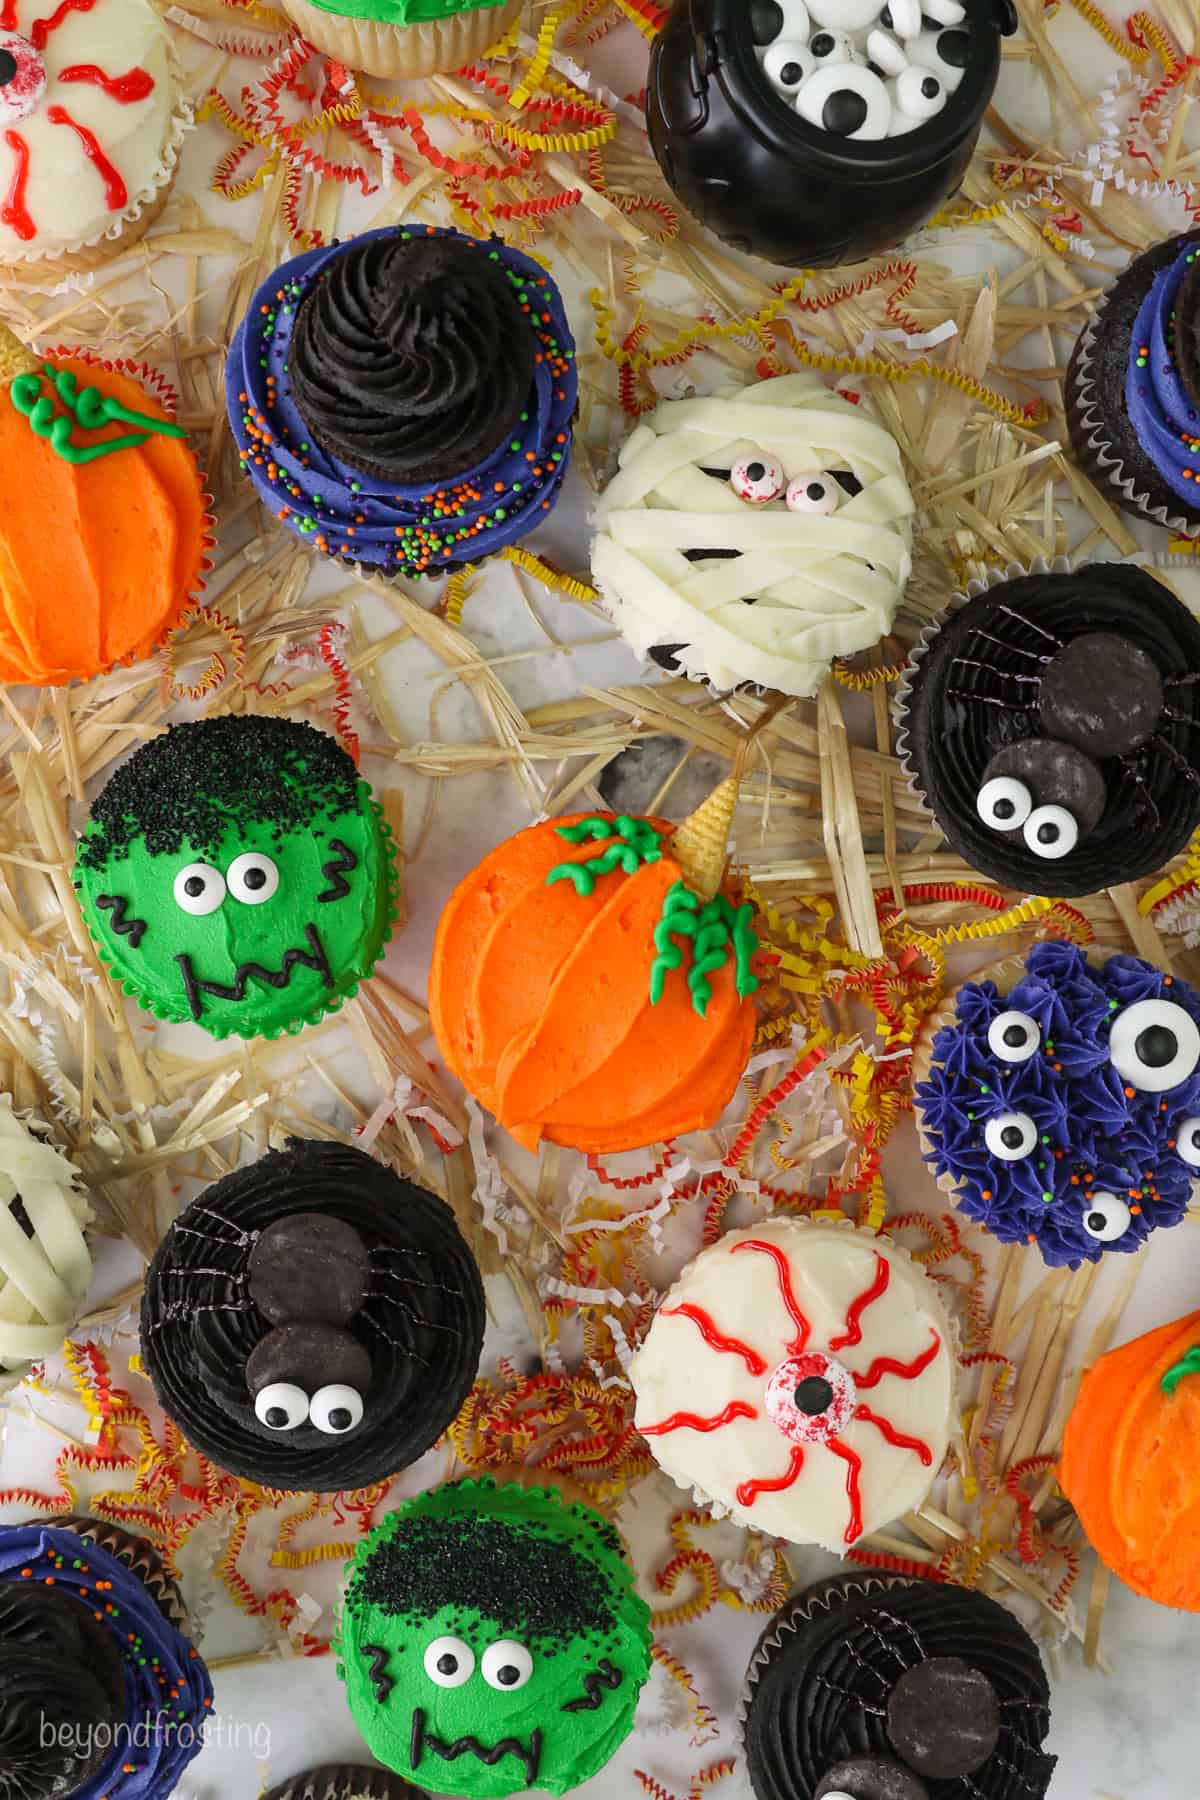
{"x": 1162, "y": 408}
{"x": 427, "y": 526}
{"x": 1095, "y": 1134}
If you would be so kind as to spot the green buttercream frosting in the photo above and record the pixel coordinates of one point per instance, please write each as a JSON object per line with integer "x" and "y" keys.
{"x": 1188, "y": 1364}
{"x": 709, "y": 932}
{"x": 403, "y": 12}
{"x": 638, "y": 843}
{"x": 491, "y": 1640}
{"x": 87, "y": 409}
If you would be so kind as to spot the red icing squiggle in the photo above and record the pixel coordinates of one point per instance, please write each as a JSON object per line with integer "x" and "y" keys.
{"x": 858, "y": 1306}
{"x": 786, "y": 1293}
{"x": 14, "y": 212}
{"x": 8, "y": 15}
{"x": 887, "y": 1365}
{"x": 737, "y": 1409}
{"x": 116, "y": 194}
{"x": 893, "y": 1436}
{"x": 41, "y": 29}
{"x": 134, "y": 85}
{"x": 853, "y": 1462}
{"x": 748, "y": 1491}
{"x": 715, "y": 1338}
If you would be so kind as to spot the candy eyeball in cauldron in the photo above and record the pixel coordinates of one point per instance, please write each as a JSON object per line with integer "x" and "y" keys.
{"x": 847, "y": 101}
{"x": 771, "y": 20}
{"x": 787, "y": 65}
{"x": 943, "y": 53}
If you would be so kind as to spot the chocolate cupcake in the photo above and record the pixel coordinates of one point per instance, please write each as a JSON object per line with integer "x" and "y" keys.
{"x": 405, "y": 401}
{"x": 344, "y": 1781}
{"x": 1133, "y": 388}
{"x": 101, "y": 1695}
{"x": 893, "y": 1688}
{"x": 314, "y": 1321}
{"x": 1051, "y": 721}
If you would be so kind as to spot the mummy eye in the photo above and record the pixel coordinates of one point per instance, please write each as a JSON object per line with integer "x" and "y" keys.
{"x": 336, "y": 1409}
{"x": 757, "y": 478}
{"x": 1004, "y": 803}
{"x": 199, "y": 888}
{"x": 449, "y": 1662}
{"x": 1050, "y": 832}
{"x": 1154, "y": 1045}
{"x": 281, "y": 1406}
{"x": 815, "y": 492}
{"x": 252, "y": 878}
{"x": 1010, "y": 1136}
{"x": 1187, "y": 1142}
{"x": 1014, "y": 1036}
{"x": 506, "y": 1665}
{"x": 1106, "y": 1217}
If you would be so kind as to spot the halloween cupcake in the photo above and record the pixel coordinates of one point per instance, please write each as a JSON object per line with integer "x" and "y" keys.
{"x": 105, "y": 535}
{"x": 237, "y": 872}
{"x": 1061, "y": 1107}
{"x": 1132, "y": 390}
{"x": 491, "y": 1640}
{"x": 45, "y": 1266}
{"x": 404, "y": 401}
{"x": 801, "y": 1378}
{"x": 344, "y": 1781}
{"x": 1051, "y": 722}
{"x": 755, "y": 535}
{"x": 91, "y": 121}
{"x": 102, "y": 1697}
{"x": 401, "y": 39}
{"x": 888, "y": 1687}
{"x": 313, "y": 1321}
{"x": 1129, "y": 1464}
{"x": 591, "y": 980}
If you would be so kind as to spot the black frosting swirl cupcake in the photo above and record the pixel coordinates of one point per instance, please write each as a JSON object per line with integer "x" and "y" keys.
{"x": 1052, "y": 723}
{"x": 62, "y": 1692}
{"x": 893, "y": 1688}
{"x": 314, "y": 1321}
{"x": 411, "y": 359}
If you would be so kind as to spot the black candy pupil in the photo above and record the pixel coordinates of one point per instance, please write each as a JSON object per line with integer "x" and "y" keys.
{"x": 790, "y": 74}
{"x": 1047, "y": 834}
{"x": 277, "y": 1417}
{"x": 508, "y": 1676}
{"x": 929, "y": 88}
{"x": 952, "y": 48}
{"x": 766, "y": 20}
{"x": 8, "y": 67}
{"x": 822, "y": 44}
{"x": 843, "y": 112}
{"x": 255, "y": 878}
{"x": 815, "y": 491}
{"x": 1004, "y": 809}
{"x": 755, "y": 470}
{"x": 813, "y": 1395}
{"x": 1012, "y": 1137}
{"x": 447, "y": 1664}
{"x": 1096, "y": 1221}
{"x": 1014, "y": 1035}
{"x": 340, "y": 1418}
{"x": 1156, "y": 1046}
{"x": 194, "y": 886}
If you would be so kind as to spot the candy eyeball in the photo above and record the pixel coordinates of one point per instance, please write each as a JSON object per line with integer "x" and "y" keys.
{"x": 22, "y": 77}
{"x": 919, "y": 94}
{"x": 903, "y": 17}
{"x": 1187, "y": 1142}
{"x": 844, "y": 15}
{"x": 1010, "y": 1136}
{"x": 757, "y": 478}
{"x": 1154, "y": 1045}
{"x": 1050, "y": 832}
{"x": 1106, "y": 1216}
{"x": 281, "y": 1406}
{"x": 1013, "y": 1036}
{"x": 772, "y": 19}
{"x": 449, "y": 1662}
{"x": 943, "y": 53}
{"x": 1004, "y": 803}
{"x": 846, "y": 101}
{"x": 787, "y": 66}
{"x": 813, "y": 492}
{"x": 944, "y": 12}
{"x": 886, "y": 52}
{"x": 831, "y": 48}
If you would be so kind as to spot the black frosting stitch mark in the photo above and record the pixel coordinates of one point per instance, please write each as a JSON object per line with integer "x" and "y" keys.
{"x": 421, "y": 1740}
{"x": 381, "y": 1682}
{"x": 343, "y": 863}
{"x": 312, "y": 958}
{"x": 133, "y": 929}
{"x": 594, "y": 1683}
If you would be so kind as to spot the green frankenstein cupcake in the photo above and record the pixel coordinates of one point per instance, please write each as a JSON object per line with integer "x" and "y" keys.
{"x": 237, "y": 872}
{"x": 491, "y": 1641}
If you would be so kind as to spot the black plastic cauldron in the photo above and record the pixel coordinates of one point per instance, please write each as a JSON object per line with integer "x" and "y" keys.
{"x": 758, "y": 175}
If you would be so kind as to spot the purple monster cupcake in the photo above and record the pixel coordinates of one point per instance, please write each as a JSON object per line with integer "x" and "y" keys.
{"x": 404, "y": 401}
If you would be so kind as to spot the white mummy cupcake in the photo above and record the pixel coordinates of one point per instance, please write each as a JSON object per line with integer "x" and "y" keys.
{"x": 801, "y": 1378}
{"x": 755, "y": 535}
{"x": 45, "y": 1266}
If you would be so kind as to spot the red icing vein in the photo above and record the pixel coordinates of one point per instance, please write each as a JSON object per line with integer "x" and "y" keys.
{"x": 853, "y": 1462}
{"x": 748, "y": 1491}
{"x": 887, "y": 1365}
{"x": 786, "y": 1293}
{"x": 893, "y": 1436}
{"x": 115, "y": 192}
{"x": 134, "y": 85}
{"x": 40, "y": 30}
{"x": 858, "y": 1306}
{"x": 737, "y": 1409}
{"x": 14, "y": 212}
{"x": 8, "y": 15}
{"x": 716, "y": 1339}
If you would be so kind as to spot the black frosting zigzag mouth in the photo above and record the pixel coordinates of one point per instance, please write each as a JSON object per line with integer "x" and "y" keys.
{"x": 529, "y": 1756}
{"x": 312, "y": 958}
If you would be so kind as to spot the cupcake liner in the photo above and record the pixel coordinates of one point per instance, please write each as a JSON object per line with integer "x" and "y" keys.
{"x": 1092, "y": 446}
{"x": 139, "y": 1557}
{"x": 344, "y": 1781}
{"x": 403, "y": 52}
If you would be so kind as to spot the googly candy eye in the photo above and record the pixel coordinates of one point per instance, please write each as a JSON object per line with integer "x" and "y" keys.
{"x": 252, "y": 878}
{"x": 1154, "y": 1045}
{"x": 281, "y": 1406}
{"x": 834, "y": 47}
{"x": 449, "y": 1662}
{"x": 757, "y": 478}
{"x": 787, "y": 66}
{"x": 1187, "y": 1143}
{"x": 1014, "y": 1036}
{"x": 813, "y": 492}
{"x": 1106, "y": 1216}
{"x": 886, "y": 52}
{"x": 903, "y": 17}
{"x": 506, "y": 1665}
{"x": 848, "y": 102}
{"x": 1011, "y": 1136}
{"x": 919, "y": 94}
{"x": 336, "y": 1409}
{"x": 1004, "y": 803}
{"x": 772, "y": 19}
{"x": 199, "y": 888}
{"x": 944, "y": 53}
{"x": 1050, "y": 832}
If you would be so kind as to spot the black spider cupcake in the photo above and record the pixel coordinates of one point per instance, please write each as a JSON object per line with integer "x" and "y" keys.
{"x": 886, "y": 1687}
{"x": 313, "y": 1322}
{"x": 1051, "y": 721}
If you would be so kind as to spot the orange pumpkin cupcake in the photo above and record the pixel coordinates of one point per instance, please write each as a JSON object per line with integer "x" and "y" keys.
{"x": 104, "y": 531}
{"x": 1129, "y": 1463}
{"x": 591, "y": 981}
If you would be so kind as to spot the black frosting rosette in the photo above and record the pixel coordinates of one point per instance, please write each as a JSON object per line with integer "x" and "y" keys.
{"x": 894, "y": 1688}
{"x": 313, "y": 1322}
{"x": 1051, "y": 721}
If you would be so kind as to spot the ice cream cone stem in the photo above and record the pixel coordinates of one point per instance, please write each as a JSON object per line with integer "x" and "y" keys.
{"x": 15, "y": 358}
{"x": 699, "y": 845}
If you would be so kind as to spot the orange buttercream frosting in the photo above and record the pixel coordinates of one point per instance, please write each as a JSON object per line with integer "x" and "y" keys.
{"x": 98, "y": 560}
{"x": 1130, "y": 1464}
{"x": 540, "y": 1000}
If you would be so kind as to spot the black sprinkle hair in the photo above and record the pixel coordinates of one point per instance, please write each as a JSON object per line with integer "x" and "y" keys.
{"x": 189, "y": 785}
{"x": 529, "y": 1585}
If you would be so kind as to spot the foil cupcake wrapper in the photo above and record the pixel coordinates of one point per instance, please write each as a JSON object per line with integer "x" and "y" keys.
{"x": 344, "y": 1781}
{"x": 404, "y": 52}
